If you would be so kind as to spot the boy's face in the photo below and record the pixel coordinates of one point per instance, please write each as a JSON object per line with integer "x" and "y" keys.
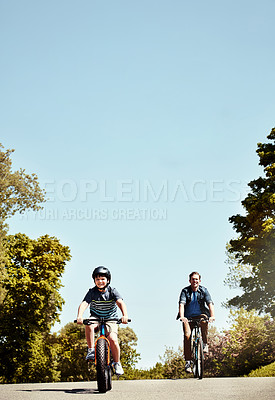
{"x": 101, "y": 282}
{"x": 195, "y": 282}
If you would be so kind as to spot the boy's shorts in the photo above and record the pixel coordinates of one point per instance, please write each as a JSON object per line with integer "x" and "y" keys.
{"x": 110, "y": 327}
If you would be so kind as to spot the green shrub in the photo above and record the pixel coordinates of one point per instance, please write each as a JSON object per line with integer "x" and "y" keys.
{"x": 267, "y": 370}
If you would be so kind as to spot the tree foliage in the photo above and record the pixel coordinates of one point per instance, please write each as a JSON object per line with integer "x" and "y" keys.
{"x": 19, "y": 191}
{"x": 247, "y": 345}
{"x": 71, "y": 348}
{"x": 31, "y": 306}
{"x": 255, "y": 245}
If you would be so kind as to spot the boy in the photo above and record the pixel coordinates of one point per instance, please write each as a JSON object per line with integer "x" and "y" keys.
{"x": 194, "y": 301}
{"x": 103, "y": 301}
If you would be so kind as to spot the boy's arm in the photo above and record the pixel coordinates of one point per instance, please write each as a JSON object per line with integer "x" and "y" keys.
{"x": 123, "y": 308}
{"x": 80, "y": 312}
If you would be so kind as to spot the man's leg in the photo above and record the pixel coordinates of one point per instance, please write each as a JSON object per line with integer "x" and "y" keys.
{"x": 187, "y": 341}
{"x": 204, "y": 331}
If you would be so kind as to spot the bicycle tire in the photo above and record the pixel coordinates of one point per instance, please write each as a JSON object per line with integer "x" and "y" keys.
{"x": 194, "y": 351}
{"x": 200, "y": 359}
{"x": 109, "y": 383}
{"x": 102, "y": 367}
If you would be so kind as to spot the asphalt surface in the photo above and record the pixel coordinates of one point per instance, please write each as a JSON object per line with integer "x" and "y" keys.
{"x": 193, "y": 389}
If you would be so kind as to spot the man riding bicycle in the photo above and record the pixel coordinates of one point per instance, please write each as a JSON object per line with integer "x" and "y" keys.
{"x": 194, "y": 302}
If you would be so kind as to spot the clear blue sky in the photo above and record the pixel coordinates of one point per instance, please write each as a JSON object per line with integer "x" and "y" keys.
{"x": 141, "y": 120}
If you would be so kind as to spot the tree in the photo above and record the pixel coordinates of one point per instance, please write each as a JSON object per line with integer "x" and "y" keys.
{"x": 18, "y": 192}
{"x": 255, "y": 244}
{"x": 31, "y": 306}
{"x": 248, "y": 344}
{"x": 71, "y": 348}
{"x": 127, "y": 340}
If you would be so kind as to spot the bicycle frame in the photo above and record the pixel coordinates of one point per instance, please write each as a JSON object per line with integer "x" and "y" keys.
{"x": 102, "y": 353}
{"x": 197, "y": 347}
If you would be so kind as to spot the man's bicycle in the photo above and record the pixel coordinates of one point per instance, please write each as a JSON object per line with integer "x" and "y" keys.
{"x": 102, "y": 354}
{"x": 197, "y": 346}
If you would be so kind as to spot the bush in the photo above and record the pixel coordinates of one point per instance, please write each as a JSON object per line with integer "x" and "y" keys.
{"x": 267, "y": 370}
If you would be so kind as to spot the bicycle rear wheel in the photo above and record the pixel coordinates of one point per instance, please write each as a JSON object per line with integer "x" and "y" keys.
{"x": 102, "y": 367}
{"x": 200, "y": 360}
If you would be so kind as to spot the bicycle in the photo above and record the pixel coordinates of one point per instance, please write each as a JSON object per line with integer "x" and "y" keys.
{"x": 197, "y": 347}
{"x": 102, "y": 354}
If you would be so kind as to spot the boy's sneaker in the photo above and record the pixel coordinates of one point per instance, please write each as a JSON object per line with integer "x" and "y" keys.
{"x": 90, "y": 354}
{"x": 118, "y": 368}
{"x": 205, "y": 347}
{"x": 188, "y": 367}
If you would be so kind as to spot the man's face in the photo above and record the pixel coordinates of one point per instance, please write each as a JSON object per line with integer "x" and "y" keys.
{"x": 195, "y": 281}
{"x": 101, "y": 282}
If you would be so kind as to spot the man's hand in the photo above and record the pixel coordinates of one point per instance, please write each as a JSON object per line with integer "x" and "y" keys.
{"x": 183, "y": 319}
{"x": 211, "y": 319}
{"x": 79, "y": 320}
{"x": 124, "y": 319}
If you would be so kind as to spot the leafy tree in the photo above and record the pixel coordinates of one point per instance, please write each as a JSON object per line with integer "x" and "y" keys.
{"x": 173, "y": 364}
{"x": 19, "y": 191}
{"x": 127, "y": 341}
{"x": 255, "y": 244}
{"x": 31, "y": 306}
{"x": 248, "y": 344}
{"x": 71, "y": 347}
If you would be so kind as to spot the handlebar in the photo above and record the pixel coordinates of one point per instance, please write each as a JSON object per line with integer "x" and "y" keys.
{"x": 89, "y": 321}
{"x": 198, "y": 319}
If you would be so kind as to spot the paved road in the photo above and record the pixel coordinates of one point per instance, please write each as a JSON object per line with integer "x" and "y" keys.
{"x": 207, "y": 389}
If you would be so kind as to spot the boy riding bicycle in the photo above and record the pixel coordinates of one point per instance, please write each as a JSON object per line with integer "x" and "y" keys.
{"x": 194, "y": 302}
{"x": 103, "y": 301}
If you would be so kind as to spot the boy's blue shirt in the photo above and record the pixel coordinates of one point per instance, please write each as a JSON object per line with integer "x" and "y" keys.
{"x": 103, "y": 304}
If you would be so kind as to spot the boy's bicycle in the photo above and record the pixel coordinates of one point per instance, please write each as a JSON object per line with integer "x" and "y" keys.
{"x": 197, "y": 346}
{"x": 102, "y": 354}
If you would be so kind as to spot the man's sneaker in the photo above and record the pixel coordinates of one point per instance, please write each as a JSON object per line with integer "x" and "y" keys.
{"x": 90, "y": 354}
{"x": 188, "y": 367}
{"x": 205, "y": 347}
{"x": 118, "y": 368}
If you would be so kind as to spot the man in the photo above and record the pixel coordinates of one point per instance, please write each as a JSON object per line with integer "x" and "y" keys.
{"x": 194, "y": 302}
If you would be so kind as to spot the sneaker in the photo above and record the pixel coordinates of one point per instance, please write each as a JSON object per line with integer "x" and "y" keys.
{"x": 90, "y": 354}
{"x": 205, "y": 347}
{"x": 188, "y": 367}
{"x": 118, "y": 368}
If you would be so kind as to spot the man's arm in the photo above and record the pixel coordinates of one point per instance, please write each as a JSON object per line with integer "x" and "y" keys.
{"x": 212, "y": 312}
{"x": 123, "y": 308}
{"x": 181, "y": 312}
{"x": 80, "y": 312}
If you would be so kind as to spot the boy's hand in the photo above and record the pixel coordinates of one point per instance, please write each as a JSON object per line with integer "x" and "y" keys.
{"x": 124, "y": 320}
{"x": 79, "y": 320}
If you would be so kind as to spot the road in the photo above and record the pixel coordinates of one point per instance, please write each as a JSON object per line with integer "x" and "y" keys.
{"x": 206, "y": 389}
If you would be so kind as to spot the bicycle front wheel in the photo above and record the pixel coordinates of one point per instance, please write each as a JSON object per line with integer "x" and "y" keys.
{"x": 102, "y": 367}
{"x": 199, "y": 360}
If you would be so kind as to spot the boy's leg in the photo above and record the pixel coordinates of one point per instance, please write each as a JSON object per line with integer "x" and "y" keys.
{"x": 90, "y": 335}
{"x": 115, "y": 349}
{"x": 112, "y": 331}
